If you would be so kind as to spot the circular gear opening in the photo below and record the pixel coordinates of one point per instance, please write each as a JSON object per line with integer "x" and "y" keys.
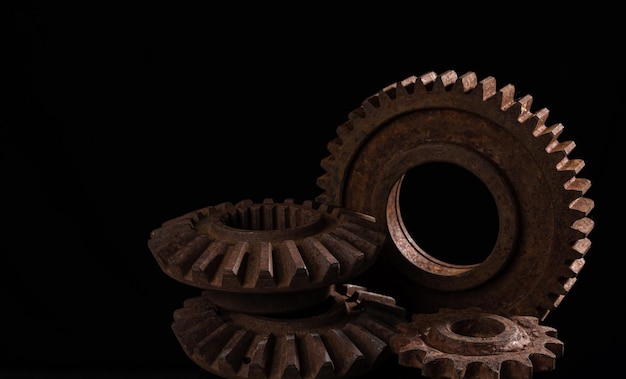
{"x": 439, "y": 203}
{"x": 422, "y": 265}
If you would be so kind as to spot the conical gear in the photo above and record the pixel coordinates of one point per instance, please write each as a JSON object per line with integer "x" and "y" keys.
{"x": 345, "y": 336}
{"x": 471, "y": 343}
{"x": 269, "y": 256}
{"x": 543, "y": 223}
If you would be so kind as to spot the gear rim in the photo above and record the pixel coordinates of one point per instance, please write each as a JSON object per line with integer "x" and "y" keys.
{"x": 449, "y": 97}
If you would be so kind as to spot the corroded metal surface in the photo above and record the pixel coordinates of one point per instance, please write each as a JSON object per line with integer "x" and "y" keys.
{"x": 345, "y": 336}
{"x": 267, "y": 257}
{"x": 470, "y": 343}
{"x": 542, "y": 211}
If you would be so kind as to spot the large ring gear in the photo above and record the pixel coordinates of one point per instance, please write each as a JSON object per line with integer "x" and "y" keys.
{"x": 276, "y": 300}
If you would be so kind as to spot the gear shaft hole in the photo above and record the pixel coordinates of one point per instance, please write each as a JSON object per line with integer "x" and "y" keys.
{"x": 449, "y": 213}
{"x": 480, "y": 327}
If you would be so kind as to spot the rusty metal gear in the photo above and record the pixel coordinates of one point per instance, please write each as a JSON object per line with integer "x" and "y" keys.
{"x": 345, "y": 336}
{"x": 267, "y": 257}
{"x": 471, "y": 343}
{"x": 543, "y": 223}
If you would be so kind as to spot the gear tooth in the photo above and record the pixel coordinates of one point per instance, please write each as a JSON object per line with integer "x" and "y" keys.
{"x": 230, "y": 359}
{"x": 290, "y": 266}
{"x": 287, "y": 364}
{"x": 573, "y": 165}
{"x": 428, "y": 78}
{"x": 211, "y": 346}
{"x": 447, "y": 79}
{"x": 371, "y": 105}
{"x": 203, "y": 270}
{"x": 356, "y": 116}
{"x": 584, "y": 225}
{"x": 521, "y": 368}
{"x": 350, "y": 258}
{"x": 373, "y": 348}
{"x": 468, "y": 81}
{"x": 179, "y": 264}
{"x": 580, "y": 185}
{"x": 335, "y": 146}
{"x": 323, "y": 265}
{"x": 316, "y": 362}
{"x": 506, "y": 96}
{"x": 583, "y": 205}
{"x": 260, "y": 356}
{"x": 233, "y": 271}
{"x": 543, "y": 361}
{"x": 486, "y": 370}
{"x": 582, "y": 246}
{"x": 407, "y": 86}
{"x": 442, "y": 366}
{"x": 328, "y": 163}
{"x": 263, "y": 277}
{"x": 488, "y": 87}
{"x": 576, "y": 266}
{"x": 348, "y": 359}
{"x": 565, "y": 147}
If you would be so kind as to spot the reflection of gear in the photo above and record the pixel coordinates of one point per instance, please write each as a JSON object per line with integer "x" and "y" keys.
{"x": 289, "y": 253}
{"x": 344, "y": 337}
{"x": 543, "y": 227}
{"x": 470, "y": 343}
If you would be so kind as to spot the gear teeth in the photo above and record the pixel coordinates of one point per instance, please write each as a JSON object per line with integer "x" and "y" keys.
{"x": 519, "y": 368}
{"x": 582, "y": 246}
{"x": 468, "y": 81}
{"x": 506, "y": 97}
{"x": 307, "y": 245}
{"x": 418, "y": 98}
{"x": 349, "y": 360}
{"x": 583, "y": 205}
{"x": 431, "y": 342}
{"x": 580, "y": 185}
{"x": 233, "y": 345}
{"x": 321, "y": 261}
{"x": 488, "y": 88}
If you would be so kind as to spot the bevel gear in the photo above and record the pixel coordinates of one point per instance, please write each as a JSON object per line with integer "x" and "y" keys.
{"x": 345, "y": 336}
{"x": 471, "y": 343}
{"x": 543, "y": 223}
{"x": 267, "y": 257}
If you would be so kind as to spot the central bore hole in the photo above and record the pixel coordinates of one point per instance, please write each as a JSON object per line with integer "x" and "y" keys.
{"x": 449, "y": 213}
{"x": 270, "y": 217}
{"x": 477, "y": 327}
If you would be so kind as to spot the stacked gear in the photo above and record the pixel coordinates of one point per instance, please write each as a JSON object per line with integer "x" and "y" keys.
{"x": 274, "y": 305}
{"x": 274, "y": 302}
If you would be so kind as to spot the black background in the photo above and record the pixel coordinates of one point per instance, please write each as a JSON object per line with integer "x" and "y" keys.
{"x": 118, "y": 116}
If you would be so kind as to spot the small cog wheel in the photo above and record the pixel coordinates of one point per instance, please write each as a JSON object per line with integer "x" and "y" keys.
{"x": 343, "y": 337}
{"x": 471, "y": 343}
{"x": 543, "y": 227}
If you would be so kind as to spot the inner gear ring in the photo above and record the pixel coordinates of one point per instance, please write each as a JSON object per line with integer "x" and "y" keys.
{"x": 425, "y": 268}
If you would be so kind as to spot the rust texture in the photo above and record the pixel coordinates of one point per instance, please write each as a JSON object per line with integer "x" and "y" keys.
{"x": 471, "y": 343}
{"x": 275, "y": 300}
{"x": 275, "y": 303}
{"x": 345, "y": 336}
{"x": 543, "y": 224}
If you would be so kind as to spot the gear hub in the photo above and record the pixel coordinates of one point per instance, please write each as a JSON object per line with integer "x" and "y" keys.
{"x": 542, "y": 213}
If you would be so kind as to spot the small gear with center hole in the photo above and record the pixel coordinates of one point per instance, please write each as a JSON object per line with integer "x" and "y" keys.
{"x": 471, "y": 343}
